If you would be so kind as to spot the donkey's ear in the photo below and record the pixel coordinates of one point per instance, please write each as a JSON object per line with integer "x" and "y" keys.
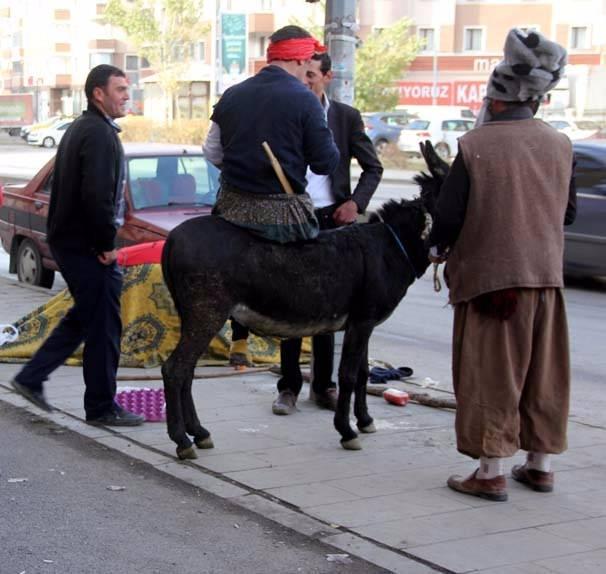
{"x": 436, "y": 165}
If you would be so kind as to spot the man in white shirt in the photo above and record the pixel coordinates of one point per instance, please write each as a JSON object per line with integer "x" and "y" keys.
{"x": 335, "y": 205}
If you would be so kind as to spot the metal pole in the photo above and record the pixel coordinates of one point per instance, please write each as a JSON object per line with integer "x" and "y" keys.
{"x": 218, "y": 64}
{"x": 434, "y": 88}
{"x": 340, "y": 38}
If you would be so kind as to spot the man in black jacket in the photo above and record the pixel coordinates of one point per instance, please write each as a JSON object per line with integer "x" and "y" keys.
{"x": 86, "y": 209}
{"x": 335, "y": 205}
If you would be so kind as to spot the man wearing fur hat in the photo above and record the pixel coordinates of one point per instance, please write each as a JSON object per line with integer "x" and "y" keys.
{"x": 499, "y": 221}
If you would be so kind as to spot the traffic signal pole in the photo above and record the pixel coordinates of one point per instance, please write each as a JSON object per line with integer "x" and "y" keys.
{"x": 340, "y": 39}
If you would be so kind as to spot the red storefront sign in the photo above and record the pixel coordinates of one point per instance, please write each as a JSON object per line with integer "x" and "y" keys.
{"x": 458, "y": 93}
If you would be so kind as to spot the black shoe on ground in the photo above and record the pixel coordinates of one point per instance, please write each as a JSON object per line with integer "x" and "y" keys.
{"x": 119, "y": 417}
{"x": 34, "y": 397}
{"x": 326, "y": 400}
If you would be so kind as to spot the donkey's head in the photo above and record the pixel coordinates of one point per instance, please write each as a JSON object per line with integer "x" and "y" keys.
{"x": 430, "y": 184}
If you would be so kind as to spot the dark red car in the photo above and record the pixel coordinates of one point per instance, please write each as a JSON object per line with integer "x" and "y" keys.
{"x": 167, "y": 184}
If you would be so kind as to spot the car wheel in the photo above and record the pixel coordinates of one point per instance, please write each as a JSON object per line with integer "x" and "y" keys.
{"x": 48, "y": 142}
{"x": 443, "y": 151}
{"x": 381, "y": 146}
{"x": 29, "y": 266}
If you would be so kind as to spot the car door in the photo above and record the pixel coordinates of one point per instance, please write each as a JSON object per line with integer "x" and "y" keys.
{"x": 452, "y": 130}
{"x": 585, "y": 247}
{"x": 38, "y": 216}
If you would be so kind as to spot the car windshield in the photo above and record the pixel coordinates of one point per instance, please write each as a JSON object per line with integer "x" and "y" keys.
{"x": 417, "y": 125}
{"x": 163, "y": 181}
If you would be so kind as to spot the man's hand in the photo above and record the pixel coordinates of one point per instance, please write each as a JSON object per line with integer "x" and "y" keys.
{"x": 346, "y": 213}
{"x": 107, "y": 257}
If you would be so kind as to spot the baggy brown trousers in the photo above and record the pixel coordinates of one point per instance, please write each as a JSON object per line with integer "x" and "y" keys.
{"x": 512, "y": 378}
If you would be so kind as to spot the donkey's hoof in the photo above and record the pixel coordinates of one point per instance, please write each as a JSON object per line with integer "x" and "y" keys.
{"x": 205, "y": 442}
{"x": 188, "y": 453}
{"x": 368, "y": 428}
{"x": 352, "y": 444}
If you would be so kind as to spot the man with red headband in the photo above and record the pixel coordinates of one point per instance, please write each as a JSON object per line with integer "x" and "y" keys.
{"x": 274, "y": 106}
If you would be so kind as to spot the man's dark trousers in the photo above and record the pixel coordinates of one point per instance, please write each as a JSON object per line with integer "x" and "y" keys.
{"x": 94, "y": 319}
{"x": 323, "y": 346}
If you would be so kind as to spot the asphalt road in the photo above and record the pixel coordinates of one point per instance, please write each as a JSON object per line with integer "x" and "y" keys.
{"x": 71, "y": 506}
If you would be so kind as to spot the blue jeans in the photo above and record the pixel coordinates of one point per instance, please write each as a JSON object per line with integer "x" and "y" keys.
{"x": 95, "y": 320}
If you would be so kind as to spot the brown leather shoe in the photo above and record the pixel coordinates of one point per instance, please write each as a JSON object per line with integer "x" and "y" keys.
{"x": 327, "y": 399}
{"x": 488, "y": 488}
{"x": 285, "y": 404}
{"x": 535, "y": 479}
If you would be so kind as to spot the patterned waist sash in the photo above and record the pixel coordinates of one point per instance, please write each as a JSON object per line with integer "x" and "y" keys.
{"x": 277, "y": 217}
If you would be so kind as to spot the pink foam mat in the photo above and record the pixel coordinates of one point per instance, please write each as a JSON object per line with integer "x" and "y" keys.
{"x": 147, "y": 402}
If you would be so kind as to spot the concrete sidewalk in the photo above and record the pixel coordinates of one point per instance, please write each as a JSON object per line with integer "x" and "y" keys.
{"x": 387, "y": 503}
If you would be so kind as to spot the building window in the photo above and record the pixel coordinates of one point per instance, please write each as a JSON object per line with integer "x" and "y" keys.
{"x": 193, "y": 100}
{"x": 198, "y": 51}
{"x": 578, "y": 37}
{"x": 131, "y": 62}
{"x": 101, "y": 58}
{"x": 261, "y": 46}
{"x": 473, "y": 39}
{"x": 145, "y": 63}
{"x": 427, "y": 37}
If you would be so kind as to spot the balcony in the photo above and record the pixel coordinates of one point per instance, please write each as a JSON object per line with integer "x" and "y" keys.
{"x": 63, "y": 81}
{"x": 62, "y": 15}
{"x": 107, "y": 45}
{"x": 260, "y": 23}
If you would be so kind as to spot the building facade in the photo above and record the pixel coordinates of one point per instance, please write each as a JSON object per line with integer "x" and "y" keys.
{"x": 463, "y": 40}
{"x": 48, "y": 46}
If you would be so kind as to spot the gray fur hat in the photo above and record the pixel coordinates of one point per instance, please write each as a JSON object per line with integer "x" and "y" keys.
{"x": 532, "y": 66}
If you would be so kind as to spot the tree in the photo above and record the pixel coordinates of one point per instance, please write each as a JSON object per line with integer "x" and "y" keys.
{"x": 380, "y": 62}
{"x": 311, "y": 23}
{"x": 164, "y": 32}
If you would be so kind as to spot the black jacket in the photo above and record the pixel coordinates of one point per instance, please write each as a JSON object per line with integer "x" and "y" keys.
{"x": 276, "y": 107}
{"x": 88, "y": 165}
{"x": 347, "y": 129}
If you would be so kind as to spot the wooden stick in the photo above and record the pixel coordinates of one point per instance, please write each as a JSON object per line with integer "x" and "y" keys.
{"x": 421, "y": 398}
{"x": 278, "y": 169}
{"x": 213, "y": 375}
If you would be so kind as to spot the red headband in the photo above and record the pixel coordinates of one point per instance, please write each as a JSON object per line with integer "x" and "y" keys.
{"x": 294, "y": 49}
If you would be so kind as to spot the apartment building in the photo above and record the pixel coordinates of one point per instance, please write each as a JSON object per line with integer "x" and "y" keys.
{"x": 48, "y": 46}
{"x": 463, "y": 40}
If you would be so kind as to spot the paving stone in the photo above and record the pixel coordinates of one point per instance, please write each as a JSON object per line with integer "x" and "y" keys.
{"x": 585, "y": 563}
{"x": 503, "y": 549}
{"x": 590, "y": 532}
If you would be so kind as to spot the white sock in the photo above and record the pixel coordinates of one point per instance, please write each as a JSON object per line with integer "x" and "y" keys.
{"x": 538, "y": 461}
{"x": 490, "y": 467}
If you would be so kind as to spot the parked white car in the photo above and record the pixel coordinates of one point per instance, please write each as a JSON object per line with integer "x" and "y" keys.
{"x": 443, "y": 133}
{"x": 575, "y": 131}
{"x": 49, "y": 137}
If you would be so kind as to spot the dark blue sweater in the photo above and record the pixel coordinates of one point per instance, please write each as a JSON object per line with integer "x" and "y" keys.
{"x": 276, "y": 107}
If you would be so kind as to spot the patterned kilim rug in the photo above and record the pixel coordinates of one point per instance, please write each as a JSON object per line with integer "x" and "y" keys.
{"x": 150, "y": 327}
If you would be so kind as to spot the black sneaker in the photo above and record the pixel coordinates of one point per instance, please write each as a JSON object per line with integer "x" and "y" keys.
{"x": 119, "y": 417}
{"x": 35, "y": 397}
